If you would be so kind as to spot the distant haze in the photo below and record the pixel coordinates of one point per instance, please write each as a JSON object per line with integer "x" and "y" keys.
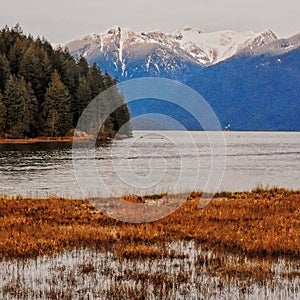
{"x": 63, "y": 20}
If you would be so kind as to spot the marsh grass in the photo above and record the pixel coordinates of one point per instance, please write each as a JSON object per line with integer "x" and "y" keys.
{"x": 192, "y": 273}
{"x": 261, "y": 223}
{"x": 240, "y": 244}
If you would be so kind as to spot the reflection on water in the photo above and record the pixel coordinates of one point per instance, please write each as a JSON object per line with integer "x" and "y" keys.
{"x": 155, "y": 161}
{"x": 36, "y": 169}
{"x": 189, "y": 273}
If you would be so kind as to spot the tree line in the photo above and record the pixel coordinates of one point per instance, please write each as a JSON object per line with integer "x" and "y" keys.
{"x": 43, "y": 91}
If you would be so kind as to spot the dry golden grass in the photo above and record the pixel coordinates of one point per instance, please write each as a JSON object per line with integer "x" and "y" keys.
{"x": 261, "y": 223}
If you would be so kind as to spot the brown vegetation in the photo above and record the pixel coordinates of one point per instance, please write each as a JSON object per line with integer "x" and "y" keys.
{"x": 66, "y": 139}
{"x": 261, "y": 223}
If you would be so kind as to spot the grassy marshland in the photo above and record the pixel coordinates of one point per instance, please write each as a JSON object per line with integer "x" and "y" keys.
{"x": 261, "y": 223}
{"x": 241, "y": 245}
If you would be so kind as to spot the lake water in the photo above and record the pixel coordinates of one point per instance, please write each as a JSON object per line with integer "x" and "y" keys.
{"x": 152, "y": 162}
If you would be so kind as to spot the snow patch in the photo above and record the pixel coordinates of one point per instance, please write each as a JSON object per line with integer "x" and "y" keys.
{"x": 188, "y": 44}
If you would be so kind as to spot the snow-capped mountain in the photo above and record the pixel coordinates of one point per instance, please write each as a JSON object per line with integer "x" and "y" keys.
{"x": 274, "y": 47}
{"x": 251, "y": 80}
{"x": 211, "y": 48}
{"x": 127, "y": 53}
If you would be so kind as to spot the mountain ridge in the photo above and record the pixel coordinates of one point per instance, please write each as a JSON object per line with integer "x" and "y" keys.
{"x": 251, "y": 80}
{"x": 188, "y": 43}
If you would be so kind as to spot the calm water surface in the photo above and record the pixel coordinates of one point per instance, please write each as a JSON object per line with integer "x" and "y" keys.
{"x": 152, "y": 162}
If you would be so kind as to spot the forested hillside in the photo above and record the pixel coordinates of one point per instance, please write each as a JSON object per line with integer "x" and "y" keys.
{"x": 43, "y": 91}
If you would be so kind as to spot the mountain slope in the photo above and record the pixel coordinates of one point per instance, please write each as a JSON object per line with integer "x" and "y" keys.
{"x": 250, "y": 80}
{"x": 275, "y": 47}
{"x": 254, "y": 92}
{"x": 211, "y": 48}
{"x": 126, "y": 54}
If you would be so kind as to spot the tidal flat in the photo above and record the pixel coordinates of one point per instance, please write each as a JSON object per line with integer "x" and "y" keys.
{"x": 240, "y": 246}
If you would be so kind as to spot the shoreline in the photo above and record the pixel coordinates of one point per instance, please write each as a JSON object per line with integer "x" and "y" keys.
{"x": 38, "y": 140}
{"x": 67, "y": 139}
{"x": 70, "y": 139}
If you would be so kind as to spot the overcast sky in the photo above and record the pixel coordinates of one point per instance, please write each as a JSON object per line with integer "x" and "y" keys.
{"x": 64, "y": 20}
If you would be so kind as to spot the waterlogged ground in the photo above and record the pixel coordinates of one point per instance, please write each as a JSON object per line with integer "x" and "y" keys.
{"x": 240, "y": 246}
{"x": 186, "y": 272}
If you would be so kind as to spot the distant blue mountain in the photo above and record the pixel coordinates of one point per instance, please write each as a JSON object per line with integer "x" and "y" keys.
{"x": 181, "y": 70}
{"x": 249, "y": 93}
{"x": 254, "y": 93}
{"x": 252, "y": 81}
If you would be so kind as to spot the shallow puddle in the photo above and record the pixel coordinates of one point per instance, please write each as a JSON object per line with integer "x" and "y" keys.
{"x": 187, "y": 273}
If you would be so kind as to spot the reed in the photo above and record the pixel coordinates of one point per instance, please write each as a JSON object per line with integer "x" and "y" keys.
{"x": 261, "y": 223}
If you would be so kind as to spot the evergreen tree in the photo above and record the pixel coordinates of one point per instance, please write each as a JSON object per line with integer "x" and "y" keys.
{"x": 4, "y": 71}
{"x": 8, "y": 38}
{"x": 109, "y": 81}
{"x": 30, "y": 84}
{"x": 95, "y": 80}
{"x": 5, "y": 43}
{"x": 15, "y": 55}
{"x": 83, "y": 98}
{"x": 36, "y": 68}
{"x": 57, "y": 108}
{"x": 30, "y": 67}
{"x": 13, "y": 99}
{"x": 83, "y": 67}
{"x": 120, "y": 116}
{"x": 31, "y": 117}
{"x": 71, "y": 79}
{"x": 2, "y": 116}
{"x": 21, "y": 108}
{"x": 67, "y": 68}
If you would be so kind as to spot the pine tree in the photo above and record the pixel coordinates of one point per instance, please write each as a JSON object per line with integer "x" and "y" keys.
{"x": 30, "y": 111}
{"x": 15, "y": 55}
{"x": 8, "y": 38}
{"x": 108, "y": 81}
{"x": 21, "y": 108}
{"x": 4, "y": 71}
{"x": 83, "y": 67}
{"x": 13, "y": 98}
{"x": 2, "y": 116}
{"x": 120, "y": 116}
{"x": 123, "y": 121}
{"x": 71, "y": 75}
{"x": 30, "y": 85}
{"x": 67, "y": 68}
{"x": 95, "y": 80}
{"x": 83, "y": 98}
{"x": 36, "y": 68}
{"x": 57, "y": 108}
{"x": 30, "y": 67}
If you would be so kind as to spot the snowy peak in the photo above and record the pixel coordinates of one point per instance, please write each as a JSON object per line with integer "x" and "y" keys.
{"x": 211, "y": 48}
{"x": 154, "y": 50}
{"x": 272, "y": 45}
{"x": 157, "y": 52}
{"x": 268, "y": 35}
{"x": 191, "y": 30}
{"x": 258, "y": 41}
{"x": 192, "y": 43}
